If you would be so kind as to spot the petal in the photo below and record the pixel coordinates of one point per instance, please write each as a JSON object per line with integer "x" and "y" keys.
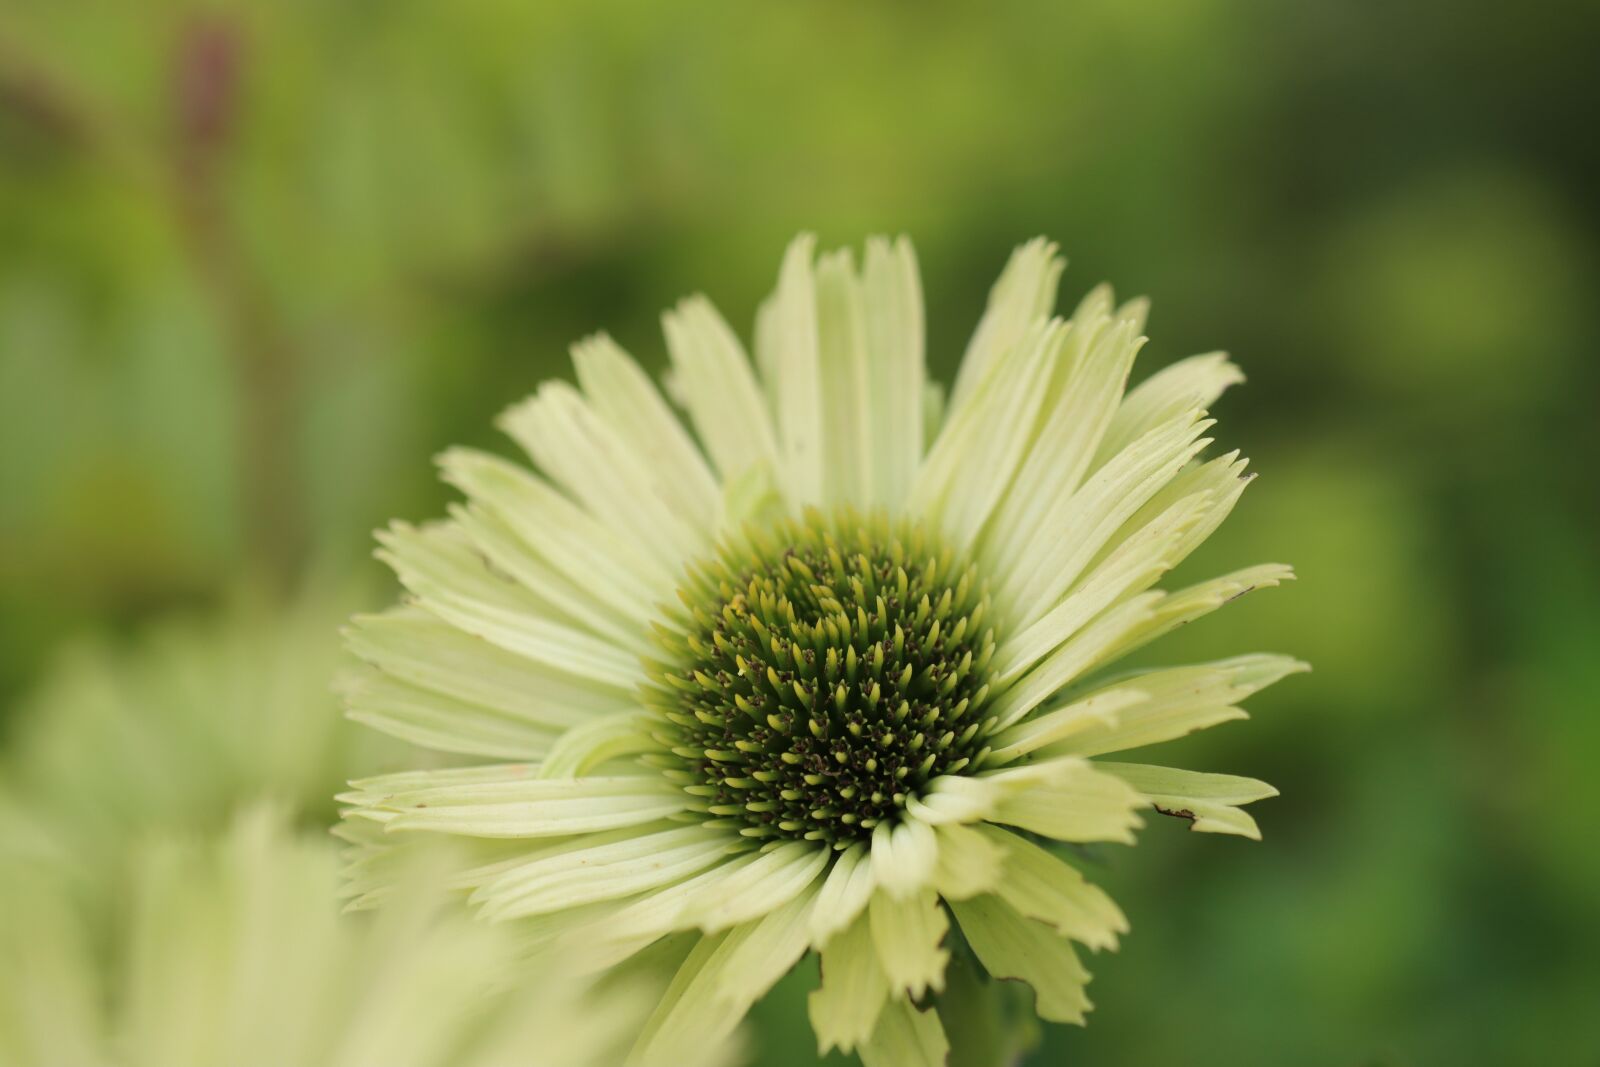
{"x": 845, "y": 374}
{"x": 1011, "y": 946}
{"x": 844, "y": 894}
{"x": 773, "y": 878}
{"x": 787, "y": 354}
{"x": 1209, "y": 801}
{"x": 954, "y": 799}
{"x": 894, "y": 328}
{"x": 908, "y": 934}
{"x": 599, "y": 867}
{"x": 513, "y": 805}
{"x": 455, "y": 673}
{"x": 1078, "y": 526}
{"x": 1095, "y": 367}
{"x": 624, "y": 396}
{"x": 439, "y": 722}
{"x": 1042, "y": 886}
{"x": 719, "y": 388}
{"x": 1087, "y": 649}
{"x": 903, "y": 856}
{"x": 1190, "y": 383}
{"x": 761, "y": 952}
{"x": 597, "y": 466}
{"x": 719, "y": 985}
{"x": 1070, "y": 800}
{"x": 1135, "y": 565}
{"x": 1171, "y": 610}
{"x": 684, "y": 1011}
{"x": 508, "y": 555}
{"x": 906, "y": 1037}
{"x": 611, "y": 568}
{"x": 1023, "y": 296}
{"x": 844, "y": 1010}
{"x": 1222, "y": 481}
{"x": 977, "y": 452}
{"x": 450, "y": 580}
{"x": 585, "y": 747}
{"x": 970, "y": 862}
{"x": 1102, "y": 710}
{"x": 1172, "y": 703}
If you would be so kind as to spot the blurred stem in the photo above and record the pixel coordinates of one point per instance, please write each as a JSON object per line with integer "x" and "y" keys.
{"x": 207, "y": 73}
{"x": 204, "y": 109}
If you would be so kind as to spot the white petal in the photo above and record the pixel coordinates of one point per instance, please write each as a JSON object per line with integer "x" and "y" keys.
{"x": 1170, "y": 703}
{"x": 422, "y": 651}
{"x": 1085, "y": 650}
{"x": 661, "y": 912}
{"x": 1168, "y": 611}
{"x": 719, "y": 388}
{"x": 1024, "y": 295}
{"x": 514, "y": 806}
{"x": 438, "y": 565}
{"x": 585, "y": 747}
{"x": 954, "y": 799}
{"x": 599, "y": 867}
{"x": 894, "y": 323}
{"x": 906, "y": 1037}
{"x": 786, "y": 352}
{"x": 1209, "y": 801}
{"x": 623, "y": 395}
{"x": 1190, "y": 383}
{"x": 970, "y": 862}
{"x": 845, "y": 373}
{"x": 1042, "y": 886}
{"x": 1099, "y": 712}
{"x": 977, "y": 452}
{"x": 722, "y": 984}
{"x": 611, "y": 568}
{"x": 440, "y": 722}
{"x": 685, "y": 1011}
{"x": 1077, "y": 527}
{"x": 581, "y": 452}
{"x": 909, "y": 934}
{"x": 1221, "y": 481}
{"x": 1095, "y": 367}
{"x": 845, "y": 1009}
{"x": 903, "y": 856}
{"x": 1070, "y": 800}
{"x": 1135, "y": 565}
{"x": 1011, "y": 946}
{"x": 748, "y": 892}
{"x": 505, "y": 553}
{"x": 844, "y": 894}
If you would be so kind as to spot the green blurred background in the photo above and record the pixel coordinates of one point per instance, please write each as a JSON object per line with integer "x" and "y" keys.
{"x": 259, "y": 263}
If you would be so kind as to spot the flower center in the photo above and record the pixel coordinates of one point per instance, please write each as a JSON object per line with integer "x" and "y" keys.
{"x": 820, "y": 673}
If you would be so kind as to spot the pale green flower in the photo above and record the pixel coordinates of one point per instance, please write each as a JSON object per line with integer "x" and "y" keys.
{"x": 232, "y": 952}
{"x": 177, "y": 726}
{"x": 828, "y": 673}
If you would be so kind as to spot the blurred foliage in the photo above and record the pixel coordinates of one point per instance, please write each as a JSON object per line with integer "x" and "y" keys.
{"x": 259, "y": 262}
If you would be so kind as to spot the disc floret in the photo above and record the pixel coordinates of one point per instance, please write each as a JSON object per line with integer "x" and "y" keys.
{"x": 819, "y": 673}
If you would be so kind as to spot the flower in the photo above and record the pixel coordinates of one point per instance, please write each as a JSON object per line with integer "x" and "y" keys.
{"x": 231, "y": 950}
{"x": 828, "y": 674}
{"x": 179, "y": 725}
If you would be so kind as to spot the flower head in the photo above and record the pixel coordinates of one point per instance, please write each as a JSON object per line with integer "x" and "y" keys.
{"x": 828, "y": 673}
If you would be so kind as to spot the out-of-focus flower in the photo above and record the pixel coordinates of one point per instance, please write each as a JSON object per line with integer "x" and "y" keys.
{"x": 177, "y": 728}
{"x": 829, "y": 675}
{"x": 234, "y": 952}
